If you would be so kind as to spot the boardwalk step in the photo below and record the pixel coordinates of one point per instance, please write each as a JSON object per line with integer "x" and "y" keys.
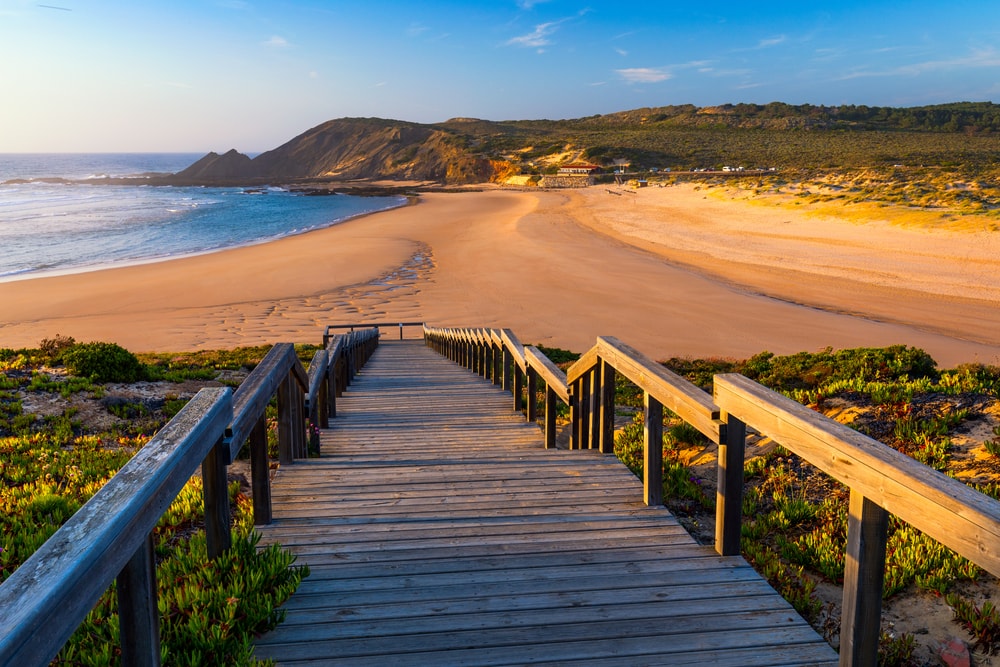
{"x": 439, "y": 531}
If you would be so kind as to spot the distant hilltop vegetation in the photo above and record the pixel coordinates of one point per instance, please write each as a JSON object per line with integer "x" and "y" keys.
{"x": 685, "y": 137}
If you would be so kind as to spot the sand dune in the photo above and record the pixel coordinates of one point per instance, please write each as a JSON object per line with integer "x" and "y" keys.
{"x": 666, "y": 269}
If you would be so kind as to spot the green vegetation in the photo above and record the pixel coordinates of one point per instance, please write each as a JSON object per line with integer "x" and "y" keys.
{"x": 50, "y": 465}
{"x": 795, "y": 518}
{"x": 779, "y": 135}
{"x": 102, "y": 362}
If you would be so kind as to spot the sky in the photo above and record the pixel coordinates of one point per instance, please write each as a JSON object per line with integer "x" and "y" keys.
{"x": 199, "y": 76}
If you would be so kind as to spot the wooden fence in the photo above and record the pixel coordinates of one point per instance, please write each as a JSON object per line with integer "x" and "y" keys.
{"x": 328, "y": 332}
{"x": 110, "y": 537}
{"x": 881, "y": 480}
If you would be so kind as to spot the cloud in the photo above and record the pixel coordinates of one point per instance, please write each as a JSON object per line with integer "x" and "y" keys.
{"x": 529, "y": 4}
{"x": 276, "y": 42}
{"x": 621, "y": 52}
{"x": 416, "y": 29}
{"x": 538, "y": 38}
{"x": 644, "y": 74}
{"x": 772, "y": 41}
{"x": 980, "y": 58}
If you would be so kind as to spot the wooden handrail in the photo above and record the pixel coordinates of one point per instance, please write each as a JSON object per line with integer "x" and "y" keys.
{"x": 511, "y": 343}
{"x": 547, "y": 371}
{"x": 881, "y": 479}
{"x": 257, "y": 390}
{"x": 50, "y": 594}
{"x": 327, "y": 332}
{"x": 951, "y": 512}
{"x": 685, "y": 399}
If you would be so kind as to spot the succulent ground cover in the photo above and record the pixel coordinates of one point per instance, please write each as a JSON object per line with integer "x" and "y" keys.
{"x": 70, "y": 416}
{"x": 795, "y": 517}
{"x": 62, "y": 435}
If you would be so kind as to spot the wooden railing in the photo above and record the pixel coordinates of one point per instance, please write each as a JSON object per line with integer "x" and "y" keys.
{"x": 881, "y": 480}
{"x": 328, "y": 332}
{"x": 111, "y": 537}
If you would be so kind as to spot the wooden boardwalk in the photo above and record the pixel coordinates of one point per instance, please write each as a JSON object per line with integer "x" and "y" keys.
{"x": 439, "y": 531}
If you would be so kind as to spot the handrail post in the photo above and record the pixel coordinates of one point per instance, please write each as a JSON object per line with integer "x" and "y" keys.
{"x": 596, "y": 396}
{"x": 324, "y": 401}
{"x": 729, "y": 493}
{"x": 260, "y": 473}
{"x": 498, "y": 371}
{"x": 652, "y": 478}
{"x": 286, "y": 417}
{"x": 518, "y": 389}
{"x": 574, "y": 415}
{"x": 299, "y": 418}
{"x": 607, "y": 399}
{"x": 331, "y": 390}
{"x": 864, "y": 568}
{"x": 532, "y": 390}
{"x": 508, "y": 367}
{"x": 138, "y": 615}
{"x": 550, "y": 417}
{"x": 216, "y": 497}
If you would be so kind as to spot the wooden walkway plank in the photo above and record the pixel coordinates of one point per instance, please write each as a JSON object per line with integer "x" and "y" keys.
{"x": 439, "y": 531}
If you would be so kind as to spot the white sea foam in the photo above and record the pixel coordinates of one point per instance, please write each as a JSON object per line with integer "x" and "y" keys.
{"x": 59, "y": 227}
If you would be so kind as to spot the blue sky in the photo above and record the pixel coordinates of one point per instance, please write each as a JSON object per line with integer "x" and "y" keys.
{"x": 140, "y": 75}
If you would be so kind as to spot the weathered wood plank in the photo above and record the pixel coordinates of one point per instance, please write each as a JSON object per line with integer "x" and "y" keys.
{"x": 52, "y": 591}
{"x": 946, "y": 509}
{"x": 675, "y": 393}
{"x": 439, "y": 531}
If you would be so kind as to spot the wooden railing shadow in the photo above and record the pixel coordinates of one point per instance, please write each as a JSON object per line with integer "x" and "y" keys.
{"x": 111, "y": 537}
{"x": 881, "y": 480}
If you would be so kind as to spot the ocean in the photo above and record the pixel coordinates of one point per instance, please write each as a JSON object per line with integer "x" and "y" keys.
{"x": 50, "y": 226}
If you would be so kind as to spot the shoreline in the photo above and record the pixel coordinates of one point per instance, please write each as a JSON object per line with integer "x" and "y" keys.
{"x": 32, "y": 274}
{"x": 547, "y": 264}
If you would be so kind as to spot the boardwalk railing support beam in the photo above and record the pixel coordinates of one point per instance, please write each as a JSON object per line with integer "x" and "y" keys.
{"x": 652, "y": 449}
{"x": 260, "y": 473}
{"x": 607, "y": 402}
{"x": 215, "y": 490}
{"x": 138, "y": 615}
{"x": 864, "y": 568}
{"x": 729, "y": 493}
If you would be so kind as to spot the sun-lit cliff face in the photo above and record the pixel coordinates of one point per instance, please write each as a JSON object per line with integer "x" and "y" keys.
{"x": 353, "y": 148}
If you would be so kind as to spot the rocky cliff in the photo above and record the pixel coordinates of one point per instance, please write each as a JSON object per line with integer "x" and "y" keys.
{"x": 353, "y": 148}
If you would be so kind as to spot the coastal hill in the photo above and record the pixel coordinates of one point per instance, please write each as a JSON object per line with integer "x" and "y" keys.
{"x": 682, "y": 137}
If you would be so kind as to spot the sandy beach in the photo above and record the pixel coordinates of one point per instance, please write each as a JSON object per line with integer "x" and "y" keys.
{"x": 673, "y": 271}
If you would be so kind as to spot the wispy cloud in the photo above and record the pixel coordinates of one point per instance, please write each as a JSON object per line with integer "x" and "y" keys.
{"x": 538, "y": 38}
{"x": 529, "y": 4}
{"x": 621, "y": 52}
{"x": 979, "y": 58}
{"x": 772, "y": 41}
{"x": 276, "y": 42}
{"x": 644, "y": 74}
{"x": 416, "y": 29}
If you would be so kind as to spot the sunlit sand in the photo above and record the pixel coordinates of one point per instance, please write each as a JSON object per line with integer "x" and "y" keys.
{"x": 672, "y": 271}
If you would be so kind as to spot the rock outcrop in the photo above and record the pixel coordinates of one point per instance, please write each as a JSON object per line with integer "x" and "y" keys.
{"x": 353, "y": 148}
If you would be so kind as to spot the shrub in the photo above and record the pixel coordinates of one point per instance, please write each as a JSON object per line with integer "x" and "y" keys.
{"x": 103, "y": 362}
{"x": 53, "y": 348}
